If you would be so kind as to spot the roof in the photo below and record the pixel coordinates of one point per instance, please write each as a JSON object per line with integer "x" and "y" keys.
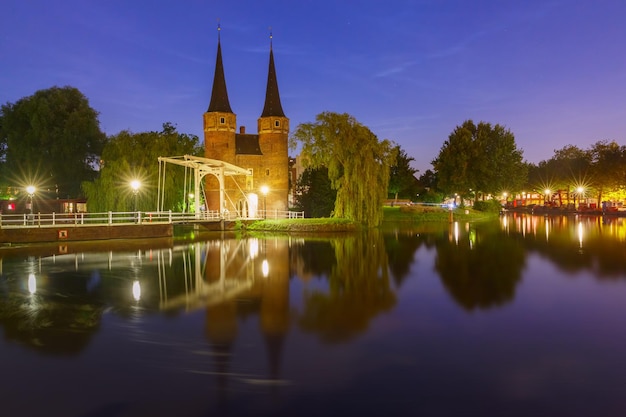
{"x": 272, "y": 97}
{"x": 246, "y": 144}
{"x": 219, "y": 94}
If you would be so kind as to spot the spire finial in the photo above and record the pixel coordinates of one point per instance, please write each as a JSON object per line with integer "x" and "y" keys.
{"x": 219, "y": 28}
{"x": 271, "y": 37}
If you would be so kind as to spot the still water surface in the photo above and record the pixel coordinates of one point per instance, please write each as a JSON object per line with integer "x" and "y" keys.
{"x": 523, "y": 316}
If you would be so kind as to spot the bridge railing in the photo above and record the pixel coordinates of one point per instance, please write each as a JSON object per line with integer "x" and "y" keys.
{"x": 128, "y": 217}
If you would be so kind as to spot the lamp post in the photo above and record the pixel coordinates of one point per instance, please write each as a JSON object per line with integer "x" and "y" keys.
{"x": 264, "y": 191}
{"x": 31, "y": 192}
{"x": 135, "y": 185}
{"x": 190, "y": 202}
{"x": 581, "y": 193}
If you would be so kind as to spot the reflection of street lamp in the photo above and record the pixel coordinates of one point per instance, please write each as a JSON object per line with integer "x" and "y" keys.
{"x": 31, "y": 192}
{"x": 136, "y": 290}
{"x": 264, "y": 190}
{"x": 135, "y": 185}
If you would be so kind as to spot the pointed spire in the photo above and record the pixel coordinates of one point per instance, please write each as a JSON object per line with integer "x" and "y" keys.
{"x": 272, "y": 97}
{"x": 219, "y": 94}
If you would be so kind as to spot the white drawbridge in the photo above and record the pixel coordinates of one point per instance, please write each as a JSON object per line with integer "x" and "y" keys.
{"x": 201, "y": 168}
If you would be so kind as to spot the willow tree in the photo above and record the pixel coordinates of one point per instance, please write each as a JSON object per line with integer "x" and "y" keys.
{"x": 358, "y": 163}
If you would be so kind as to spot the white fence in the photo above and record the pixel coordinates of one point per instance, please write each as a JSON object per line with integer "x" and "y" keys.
{"x": 134, "y": 217}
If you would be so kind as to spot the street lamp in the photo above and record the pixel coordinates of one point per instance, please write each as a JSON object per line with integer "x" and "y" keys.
{"x": 581, "y": 193}
{"x": 135, "y": 185}
{"x": 264, "y": 190}
{"x": 31, "y": 192}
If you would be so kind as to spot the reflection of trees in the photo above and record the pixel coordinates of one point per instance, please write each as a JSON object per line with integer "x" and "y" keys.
{"x": 401, "y": 247}
{"x": 576, "y": 244}
{"x": 482, "y": 272}
{"x": 359, "y": 289}
{"x": 47, "y": 322}
{"x": 313, "y": 257}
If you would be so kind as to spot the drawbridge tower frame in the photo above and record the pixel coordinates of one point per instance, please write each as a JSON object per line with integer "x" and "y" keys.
{"x": 201, "y": 168}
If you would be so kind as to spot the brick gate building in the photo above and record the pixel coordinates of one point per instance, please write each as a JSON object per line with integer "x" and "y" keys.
{"x": 265, "y": 152}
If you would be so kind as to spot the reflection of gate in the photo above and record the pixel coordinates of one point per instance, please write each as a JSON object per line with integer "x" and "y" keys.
{"x": 202, "y": 167}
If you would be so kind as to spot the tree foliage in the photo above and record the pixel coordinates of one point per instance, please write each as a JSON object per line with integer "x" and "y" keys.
{"x": 599, "y": 170}
{"x": 357, "y": 162}
{"x": 480, "y": 158}
{"x": 428, "y": 187}
{"x": 129, "y": 156}
{"x": 608, "y": 167}
{"x": 314, "y": 194}
{"x": 51, "y": 139}
{"x": 402, "y": 181}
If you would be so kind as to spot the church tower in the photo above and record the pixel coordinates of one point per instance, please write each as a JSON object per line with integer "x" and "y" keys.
{"x": 266, "y": 153}
{"x": 220, "y": 124}
{"x": 273, "y": 128}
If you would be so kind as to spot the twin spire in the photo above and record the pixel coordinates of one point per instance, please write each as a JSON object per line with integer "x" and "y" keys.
{"x": 219, "y": 94}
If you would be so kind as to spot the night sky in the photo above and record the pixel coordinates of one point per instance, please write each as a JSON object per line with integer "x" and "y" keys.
{"x": 553, "y": 72}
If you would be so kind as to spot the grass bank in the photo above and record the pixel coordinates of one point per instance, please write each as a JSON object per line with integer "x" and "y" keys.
{"x": 409, "y": 214}
{"x": 421, "y": 214}
{"x": 302, "y": 225}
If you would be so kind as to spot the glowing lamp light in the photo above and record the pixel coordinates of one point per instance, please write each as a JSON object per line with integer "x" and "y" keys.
{"x": 135, "y": 185}
{"x": 32, "y": 283}
{"x": 136, "y": 290}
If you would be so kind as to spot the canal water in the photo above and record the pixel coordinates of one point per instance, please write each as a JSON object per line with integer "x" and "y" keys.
{"x": 517, "y": 317}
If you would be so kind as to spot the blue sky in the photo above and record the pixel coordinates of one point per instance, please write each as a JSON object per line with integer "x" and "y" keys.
{"x": 553, "y": 72}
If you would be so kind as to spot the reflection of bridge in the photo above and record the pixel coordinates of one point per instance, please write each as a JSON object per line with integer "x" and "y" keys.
{"x": 200, "y": 293}
{"x": 201, "y": 274}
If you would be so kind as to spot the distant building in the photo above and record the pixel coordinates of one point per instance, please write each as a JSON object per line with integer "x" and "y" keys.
{"x": 265, "y": 152}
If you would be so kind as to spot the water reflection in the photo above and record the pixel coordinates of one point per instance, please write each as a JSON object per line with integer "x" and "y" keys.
{"x": 259, "y": 315}
{"x": 358, "y": 289}
{"x": 55, "y": 303}
{"x": 482, "y": 269}
{"x": 574, "y": 243}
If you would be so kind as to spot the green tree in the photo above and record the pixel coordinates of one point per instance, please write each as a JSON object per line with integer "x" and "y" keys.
{"x": 314, "y": 194}
{"x": 454, "y": 164}
{"x": 608, "y": 167}
{"x": 569, "y": 168}
{"x": 500, "y": 164}
{"x": 51, "y": 139}
{"x": 128, "y": 156}
{"x": 480, "y": 159}
{"x": 428, "y": 188}
{"x": 357, "y": 162}
{"x": 402, "y": 181}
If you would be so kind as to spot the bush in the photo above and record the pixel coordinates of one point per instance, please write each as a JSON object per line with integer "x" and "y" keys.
{"x": 492, "y": 206}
